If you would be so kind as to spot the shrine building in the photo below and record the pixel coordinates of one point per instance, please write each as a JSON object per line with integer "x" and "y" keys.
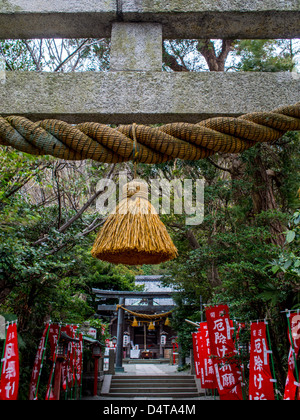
{"x": 140, "y": 323}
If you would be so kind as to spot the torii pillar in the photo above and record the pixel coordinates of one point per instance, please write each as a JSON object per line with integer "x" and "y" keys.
{"x": 120, "y": 332}
{"x": 136, "y": 46}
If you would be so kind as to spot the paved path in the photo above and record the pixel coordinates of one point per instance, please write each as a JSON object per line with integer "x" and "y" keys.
{"x": 151, "y": 370}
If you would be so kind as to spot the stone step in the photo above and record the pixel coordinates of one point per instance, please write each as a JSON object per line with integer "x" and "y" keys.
{"x": 159, "y": 394}
{"x": 150, "y": 386}
{"x": 158, "y": 377}
{"x": 152, "y": 383}
{"x": 137, "y": 390}
{"x": 146, "y": 361}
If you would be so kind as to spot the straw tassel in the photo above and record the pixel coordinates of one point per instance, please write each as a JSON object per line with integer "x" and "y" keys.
{"x": 134, "y": 234}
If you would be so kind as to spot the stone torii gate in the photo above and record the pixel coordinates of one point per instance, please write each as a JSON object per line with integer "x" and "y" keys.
{"x": 135, "y": 89}
{"x": 122, "y": 295}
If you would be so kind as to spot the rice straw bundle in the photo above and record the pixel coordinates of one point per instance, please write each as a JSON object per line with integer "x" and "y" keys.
{"x": 133, "y": 234}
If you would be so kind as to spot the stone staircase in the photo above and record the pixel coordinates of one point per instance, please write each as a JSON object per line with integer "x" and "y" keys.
{"x": 146, "y": 361}
{"x": 163, "y": 386}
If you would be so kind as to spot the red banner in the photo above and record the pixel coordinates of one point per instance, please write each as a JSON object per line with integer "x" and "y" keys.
{"x": 78, "y": 359}
{"x": 291, "y": 385}
{"x": 67, "y": 364}
{"x": 9, "y": 382}
{"x": 223, "y": 352}
{"x": 197, "y": 354}
{"x": 260, "y": 377}
{"x": 54, "y": 333}
{"x": 208, "y": 378}
{"x": 72, "y": 350}
{"x": 37, "y": 366}
{"x": 53, "y": 338}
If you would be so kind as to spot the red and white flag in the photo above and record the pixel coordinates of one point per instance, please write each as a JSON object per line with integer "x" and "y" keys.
{"x": 37, "y": 366}
{"x": 9, "y": 382}
{"x": 227, "y": 371}
{"x": 78, "y": 359}
{"x": 291, "y": 385}
{"x": 260, "y": 378}
{"x": 53, "y": 338}
{"x": 197, "y": 353}
{"x": 54, "y": 335}
{"x": 208, "y": 378}
{"x": 67, "y": 365}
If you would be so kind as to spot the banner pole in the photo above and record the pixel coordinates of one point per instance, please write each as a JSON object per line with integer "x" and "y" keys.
{"x": 293, "y": 347}
{"x": 76, "y": 354}
{"x": 241, "y": 364}
{"x": 66, "y": 391}
{"x": 54, "y": 363}
{"x": 67, "y": 377}
{"x": 81, "y": 370}
{"x": 272, "y": 360}
{"x": 73, "y": 362}
{"x": 42, "y": 362}
{"x": 3, "y": 350}
{"x": 73, "y": 368}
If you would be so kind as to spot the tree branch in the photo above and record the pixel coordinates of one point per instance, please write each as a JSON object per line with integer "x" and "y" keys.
{"x": 93, "y": 226}
{"x": 171, "y": 62}
{"x": 36, "y": 62}
{"x": 218, "y": 166}
{"x": 71, "y": 55}
{"x": 73, "y": 219}
{"x": 215, "y": 62}
{"x": 227, "y": 47}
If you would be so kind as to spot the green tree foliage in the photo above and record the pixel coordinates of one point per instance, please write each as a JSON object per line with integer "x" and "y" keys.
{"x": 47, "y": 272}
{"x": 265, "y": 55}
{"x": 241, "y": 259}
{"x": 245, "y": 253}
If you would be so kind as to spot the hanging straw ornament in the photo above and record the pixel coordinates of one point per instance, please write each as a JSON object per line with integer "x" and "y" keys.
{"x": 133, "y": 234}
{"x": 135, "y": 323}
{"x": 151, "y": 326}
{"x": 167, "y": 322}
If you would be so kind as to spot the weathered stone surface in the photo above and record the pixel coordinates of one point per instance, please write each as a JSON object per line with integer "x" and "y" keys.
{"x": 136, "y": 46}
{"x": 144, "y": 97}
{"x": 180, "y": 18}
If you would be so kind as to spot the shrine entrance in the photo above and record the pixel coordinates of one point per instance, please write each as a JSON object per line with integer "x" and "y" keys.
{"x": 140, "y": 321}
{"x": 145, "y": 339}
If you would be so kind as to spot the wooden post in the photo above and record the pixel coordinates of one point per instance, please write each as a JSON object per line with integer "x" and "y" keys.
{"x": 119, "y": 351}
{"x": 96, "y": 361}
{"x": 145, "y": 337}
{"x": 111, "y": 364}
{"x": 161, "y": 350}
{"x": 57, "y": 379}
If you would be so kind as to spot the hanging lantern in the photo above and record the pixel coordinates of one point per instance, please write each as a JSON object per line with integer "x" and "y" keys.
{"x": 167, "y": 322}
{"x": 135, "y": 323}
{"x": 126, "y": 338}
{"x": 163, "y": 338}
{"x": 134, "y": 234}
{"x": 151, "y": 326}
{"x": 114, "y": 341}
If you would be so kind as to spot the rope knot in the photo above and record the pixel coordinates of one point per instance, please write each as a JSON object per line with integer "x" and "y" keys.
{"x": 135, "y": 189}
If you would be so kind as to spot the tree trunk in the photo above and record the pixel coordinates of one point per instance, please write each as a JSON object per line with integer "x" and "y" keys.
{"x": 215, "y": 62}
{"x": 4, "y": 291}
{"x": 263, "y": 198}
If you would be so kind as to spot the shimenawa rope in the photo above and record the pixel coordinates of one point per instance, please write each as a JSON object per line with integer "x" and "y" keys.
{"x": 146, "y": 144}
{"x": 144, "y": 316}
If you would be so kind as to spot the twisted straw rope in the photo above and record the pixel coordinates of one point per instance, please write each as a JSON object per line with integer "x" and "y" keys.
{"x": 144, "y": 316}
{"x": 147, "y": 144}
